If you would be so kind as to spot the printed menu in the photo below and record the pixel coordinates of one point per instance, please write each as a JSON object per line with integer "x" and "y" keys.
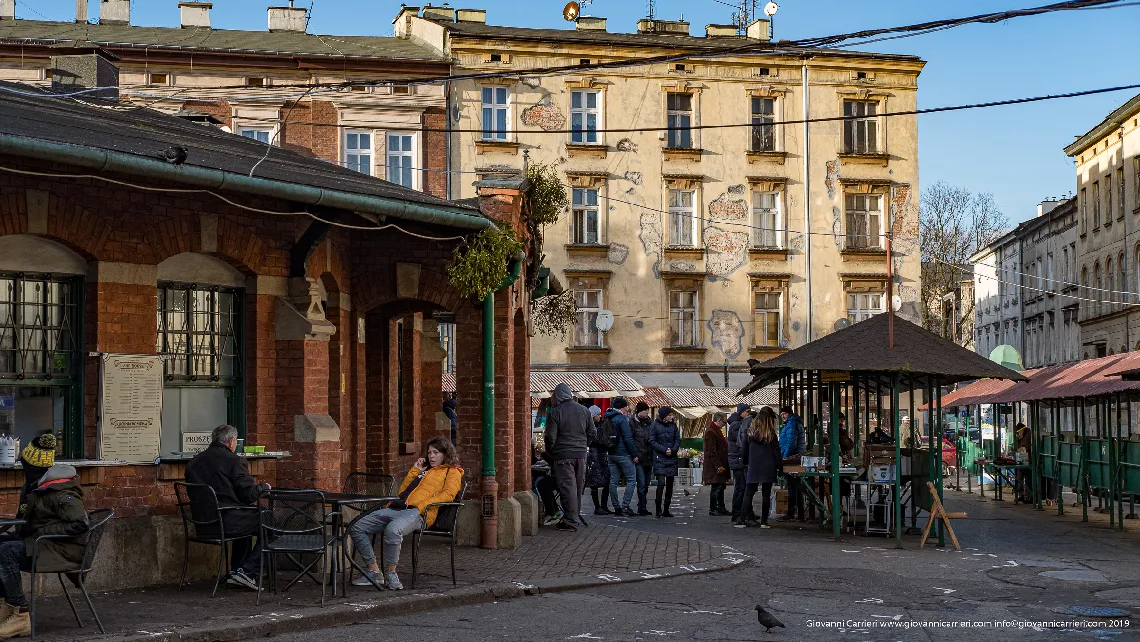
{"x": 130, "y": 407}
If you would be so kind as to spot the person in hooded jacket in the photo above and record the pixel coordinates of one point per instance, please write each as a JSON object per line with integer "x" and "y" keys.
{"x": 568, "y": 433}
{"x": 664, "y": 439}
{"x": 36, "y": 458}
{"x": 622, "y": 456}
{"x": 737, "y": 425}
{"x": 764, "y": 461}
{"x": 598, "y": 466}
{"x": 639, "y": 425}
{"x": 716, "y": 474}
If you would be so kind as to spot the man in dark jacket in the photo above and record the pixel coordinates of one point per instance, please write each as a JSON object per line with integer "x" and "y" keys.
{"x": 219, "y": 468}
{"x": 737, "y": 427}
{"x": 569, "y": 432}
{"x": 55, "y": 507}
{"x": 449, "y": 410}
{"x": 622, "y": 456}
{"x": 639, "y": 425}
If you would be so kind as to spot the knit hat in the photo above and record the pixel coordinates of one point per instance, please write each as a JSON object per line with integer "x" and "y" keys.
{"x": 595, "y": 411}
{"x": 619, "y": 403}
{"x": 741, "y": 407}
{"x": 663, "y": 412}
{"x": 41, "y": 452}
{"x": 642, "y": 406}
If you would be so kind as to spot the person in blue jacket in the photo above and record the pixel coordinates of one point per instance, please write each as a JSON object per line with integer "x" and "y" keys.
{"x": 623, "y": 457}
{"x": 793, "y": 442}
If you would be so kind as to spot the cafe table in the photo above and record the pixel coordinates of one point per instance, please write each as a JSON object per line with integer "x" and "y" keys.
{"x": 817, "y": 475}
{"x": 8, "y": 523}
{"x": 338, "y": 502}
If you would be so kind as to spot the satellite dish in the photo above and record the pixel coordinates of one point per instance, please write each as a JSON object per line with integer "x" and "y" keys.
{"x": 841, "y": 323}
{"x": 896, "y": 303}
{"x": 605, "y": 320}
{"x": 770, "y": 9}
{"x": 571, "y": 11}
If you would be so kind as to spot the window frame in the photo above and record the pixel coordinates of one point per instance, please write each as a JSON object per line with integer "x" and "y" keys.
{"x": 675, "y": 211}
{"x": 582, "y": 315}
{"x": 762, "y": 121}
{"x": 757, "y": 311}
{"x": 862, "y": 313}
{"x": 585, "y": 133}
{"x": 675, "y": 135}
{"x": 679, "y": 313}
{"x": 270, "y": 132}
{"x": 346, "y": 152}
{"x": 412, "y": 155}
{"x": 1096, "y": 205}
{"x": 493, "y": 134}
{"x": 762, "y": 234}
{"x": 858, "y": 139}
{"x": 852, "y": 237}
{"x": 584, "y": 208}
{"x": 1123, "y": 193}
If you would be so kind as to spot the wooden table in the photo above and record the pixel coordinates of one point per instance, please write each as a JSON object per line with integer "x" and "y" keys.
{"x": 810, "y": 492}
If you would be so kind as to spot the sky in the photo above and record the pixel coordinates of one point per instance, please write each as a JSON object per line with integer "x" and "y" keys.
{"x": 1015, "y": 152}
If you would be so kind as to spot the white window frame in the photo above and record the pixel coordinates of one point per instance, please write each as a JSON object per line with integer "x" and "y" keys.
{"x": 678, "y": 132}
{"x": 872, "y": 239}
{"x": 860, "y": 308}
{"x": 1096, "y": 205}
{"x": 411, "y": 155}
{"x": 676, "y": 217}
{"x": 765, "y": 234}
{"x": 860, "y": 128}
{"x": 684, "y": 320}
{"x": 269, "y": 132}
{"x": 584, "y": 134}
{"x": 1108, "y": 198}
{"x": 759, "y": 122}
{"x": 350, "y": 153}
{"x": 761, "y": 339}
{"x": 495, "y": 108}
{"x": 585, "y": 332}
{"x": 580, "y": 211}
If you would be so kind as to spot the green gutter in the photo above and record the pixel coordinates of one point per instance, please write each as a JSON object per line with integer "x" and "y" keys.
{"x": 489, "y": 370}
{"x": 214, "y": 179}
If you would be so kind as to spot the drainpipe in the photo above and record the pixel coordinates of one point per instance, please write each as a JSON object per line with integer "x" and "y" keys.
{"x": 447, "y": 137}
{"x": 490, "y": 488}
{"x": 807, "y": 201}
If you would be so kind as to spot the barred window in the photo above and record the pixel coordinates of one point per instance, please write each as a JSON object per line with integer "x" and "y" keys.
{"x": 199, "y": 330}
{"x": 38, "y": 337}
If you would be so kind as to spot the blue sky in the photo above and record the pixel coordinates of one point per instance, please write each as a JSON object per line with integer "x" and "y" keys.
{"x": 1014, "y": 152}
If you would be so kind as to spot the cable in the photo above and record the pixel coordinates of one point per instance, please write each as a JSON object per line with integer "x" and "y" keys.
{"x": 1033, "y": 289}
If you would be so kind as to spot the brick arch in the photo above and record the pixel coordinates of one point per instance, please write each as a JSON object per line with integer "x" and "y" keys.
{"x": 68, "y": 222}
{"x": 238, "y": 245}
{"x": 377, "y": 287}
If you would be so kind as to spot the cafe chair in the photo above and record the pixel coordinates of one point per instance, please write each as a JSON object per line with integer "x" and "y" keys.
{"x": 446, "y": 520}
{"x": 202, "y": 524}
{"x": 96, "y": 523}
{"x": 374, "y": 484}
{"x": 294, "y": 523}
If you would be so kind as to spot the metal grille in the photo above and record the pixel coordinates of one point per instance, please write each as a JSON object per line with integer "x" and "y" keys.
{"x": 199, "y": 329}
{"x": 38, "y": 319}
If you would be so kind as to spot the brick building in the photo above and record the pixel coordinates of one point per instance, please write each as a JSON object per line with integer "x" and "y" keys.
{"x": 289, "y": 297}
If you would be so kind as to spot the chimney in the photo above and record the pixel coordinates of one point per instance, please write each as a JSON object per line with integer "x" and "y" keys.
{"x": 82, "y": 65}
{"x": 444, "y": 14}
{"x": 720, "y": 31}
{"x": 676, "y": 27}
{"x": 287, "y": 19}
{"x": 471, "y": 15}
{"x": 81, "y": 10}
{"x": 1048, "y": 205}
{"x": 760, "y": 30}
{"x": 115, "y": 12}
{"x": 195, "y": 14}
{"x": 7, "y": 9}
{"x": 590, "y": 23}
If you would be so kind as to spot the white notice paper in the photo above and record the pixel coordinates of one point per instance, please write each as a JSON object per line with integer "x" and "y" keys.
{"x": 130, "y": 407}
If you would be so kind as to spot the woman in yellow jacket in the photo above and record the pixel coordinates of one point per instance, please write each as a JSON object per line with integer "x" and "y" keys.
{"x": 436, "y": 479}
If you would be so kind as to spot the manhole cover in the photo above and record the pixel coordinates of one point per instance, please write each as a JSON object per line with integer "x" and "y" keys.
{"x": 1097, "y": 611}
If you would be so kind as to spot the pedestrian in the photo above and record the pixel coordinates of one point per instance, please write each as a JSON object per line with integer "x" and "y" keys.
{"x": 716, "y": 473}
{"x": 622, "y": 456}
{"x": 793, "y": 443}
{"x": 432, "y": 479}
{"x": 54, "y": 507}
{"x": 37, "y": 457}
{"x": 598, "y": 465}
{"x": 544, "y": 485}
{"x": 764, "y": 461}
{"x": 568, "y": 433}
{"x": 449, "y": 410}
{"x": 664, "y": 439}
{"x": 1023, "y": 439}
{"x": 639, "y": 425}
{"x": 737, "y": 426}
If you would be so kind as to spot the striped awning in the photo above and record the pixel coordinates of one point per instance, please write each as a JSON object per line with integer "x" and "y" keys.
{"x": 584, "y": 385}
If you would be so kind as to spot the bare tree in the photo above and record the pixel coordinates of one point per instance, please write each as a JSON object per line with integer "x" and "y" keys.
{"x": 954, "y": 223}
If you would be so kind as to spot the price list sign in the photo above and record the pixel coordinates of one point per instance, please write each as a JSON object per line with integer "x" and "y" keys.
{"x": 130, "y": 404}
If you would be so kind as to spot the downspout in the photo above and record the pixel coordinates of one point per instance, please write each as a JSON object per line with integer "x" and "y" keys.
{"x": 490, "y": 488}
{"x": 447, "y": 137}
{"x": 807, "y": 200}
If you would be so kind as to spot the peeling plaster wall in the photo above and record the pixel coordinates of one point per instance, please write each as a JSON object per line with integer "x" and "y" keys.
{"x": 726, "y": 333}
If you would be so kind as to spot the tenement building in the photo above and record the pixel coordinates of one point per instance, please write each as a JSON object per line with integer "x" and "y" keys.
{"x": 706, "y": 214}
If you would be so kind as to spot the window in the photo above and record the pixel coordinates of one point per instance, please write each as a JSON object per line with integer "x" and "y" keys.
{"x": 763, "y": 129}
{"x": 496, "y": 58}
{"x": 680, "y": 119}
{"x": 863, "y": 306}
{"x": 260, "y": 134}
{"x": 584, "y": 116}
{"x": 767, "y": 319}
{"x": 1065, "y": 270}
{"x": 1136, "y": 175}
{"x": 1120, "y": 186}
{"x": 159, "y": 79}
{"x": 358, "y": 151}
{"x": 1084, "y": 209}
{"x": 766, "y": 220}
{"x": 1123, "y": 279}
{"x": 682, "y": 217}
{"x": 495, "y": 106}
{"x": 683, "y": 318}
{"x": 586, "y": 333}
{"x": 1096, "y": 204}
{"x": 586, "y": 227}
{"x": 401, "y": 160}
{"x": 1050, "y": 282}
{"x": 401, "y": 90}
{"x": 199, "y": 330}
{"x": 1109, "y": 293}
{"x": 864, "y": 221}
{"x": 1099, "y": 284}
{"x": 254, "y": 82}
{"x": 861, "y": 129}
{"x": 1108, "y": 211}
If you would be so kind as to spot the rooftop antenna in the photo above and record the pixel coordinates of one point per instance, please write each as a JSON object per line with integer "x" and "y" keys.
{"x": 651, "y": 7}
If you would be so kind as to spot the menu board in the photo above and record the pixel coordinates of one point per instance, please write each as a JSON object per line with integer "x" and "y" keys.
{"x": 130, "y": 407}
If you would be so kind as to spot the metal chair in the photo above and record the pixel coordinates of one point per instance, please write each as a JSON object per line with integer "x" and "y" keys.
{"x": 96, "y": 523}
{"x": 202, "y": 517}
{"x": 376, "y": 484}
{"x": 293, "y": 523}
{"x": 446, "y": 519}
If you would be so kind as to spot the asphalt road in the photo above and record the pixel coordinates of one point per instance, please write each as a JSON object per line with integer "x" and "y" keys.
{"x": 1020, "y": 569}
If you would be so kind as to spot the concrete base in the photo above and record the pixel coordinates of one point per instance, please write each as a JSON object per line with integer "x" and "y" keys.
{"x": 468, "y": 525}
{"x": 510, "y": 523}
{"x": 531, "y": 512}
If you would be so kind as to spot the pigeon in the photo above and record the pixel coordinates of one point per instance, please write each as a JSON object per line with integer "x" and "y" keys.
{"x": 175, "y": 155}
{"x": 767, "y": 620}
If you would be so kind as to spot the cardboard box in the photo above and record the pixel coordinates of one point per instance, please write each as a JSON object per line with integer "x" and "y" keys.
{"x": 793, "y": 469}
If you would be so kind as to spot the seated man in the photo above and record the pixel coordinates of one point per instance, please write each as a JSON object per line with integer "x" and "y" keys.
{"x": 219, "y": 468}
{"x": 435, "y": 479}
{"x": 55, "y": 507}
{"x": 880, "y": 437}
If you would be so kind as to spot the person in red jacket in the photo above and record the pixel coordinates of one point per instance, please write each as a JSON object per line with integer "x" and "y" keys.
{"x": 716, "y": 473}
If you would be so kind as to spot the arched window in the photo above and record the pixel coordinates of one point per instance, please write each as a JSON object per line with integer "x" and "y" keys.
{"x": 1120, "y": 296}
{"x": 1085, "y": 281}
{"x": 1110, "y": 291}
{"x": 1098, "y": 288}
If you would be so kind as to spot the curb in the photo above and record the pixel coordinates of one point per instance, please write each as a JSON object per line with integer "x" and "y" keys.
{"x": 313, "y": 618}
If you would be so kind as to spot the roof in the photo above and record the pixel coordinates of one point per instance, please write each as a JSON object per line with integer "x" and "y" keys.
{"x": 1088, "y": 378}
{"x": 714, "y": 397}
{"x": 862, "y": 348}
{"x": 1111, "y": 123}
{"x": 585, "y": 385}
{"x": 141, "y": 133}
{"x": 286, "y": 43}
{"x": 658, "y": 40}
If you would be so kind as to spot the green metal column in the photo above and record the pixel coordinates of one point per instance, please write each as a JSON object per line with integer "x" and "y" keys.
{"x": 1083, "y": 467}
{"x": 489, "y": 385}
{"x": 833, "y": 457}
{"x": 898, "y": 458}
{"x": 913, "y": 446}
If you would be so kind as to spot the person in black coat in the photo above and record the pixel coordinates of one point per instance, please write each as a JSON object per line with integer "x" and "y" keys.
{"x": 639, "y": 425}
{"x": 664, "y": 439}
{"x": 764, "y": 460}
{"x": 738, "y": 423}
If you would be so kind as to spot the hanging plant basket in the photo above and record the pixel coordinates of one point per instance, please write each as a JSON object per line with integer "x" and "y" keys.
{"x": 479, "y": 266}
{"x": 547, "y": 194}
{"x": 553, "y": 315}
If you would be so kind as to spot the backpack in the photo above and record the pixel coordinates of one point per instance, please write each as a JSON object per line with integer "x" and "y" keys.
{"x": 607, "y": 436}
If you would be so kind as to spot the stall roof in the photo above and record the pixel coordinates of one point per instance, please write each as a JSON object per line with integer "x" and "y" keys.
{"x": 1088, "y": 378}
{"x": 583, "y": 384}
